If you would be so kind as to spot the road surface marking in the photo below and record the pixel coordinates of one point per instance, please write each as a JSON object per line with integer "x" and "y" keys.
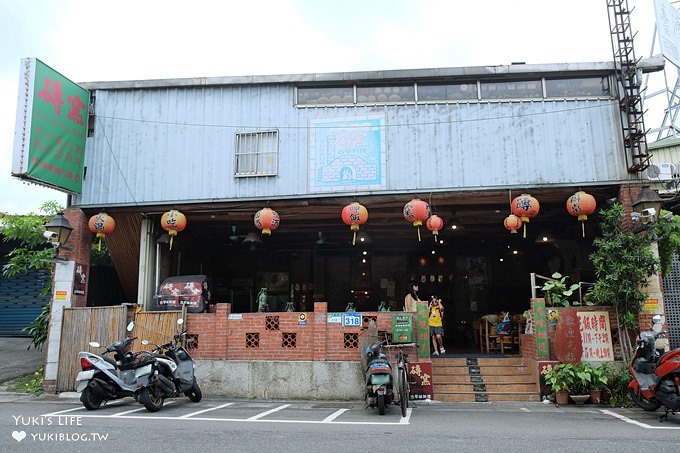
{"x": 635, "y": 422}
{"x": 205, "y": 410}
{"x": 271, "y": 411}
{"x": 334, "y": 415}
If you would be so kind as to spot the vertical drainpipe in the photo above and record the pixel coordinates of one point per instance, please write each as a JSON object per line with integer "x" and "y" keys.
{"x": 147, "y": 264}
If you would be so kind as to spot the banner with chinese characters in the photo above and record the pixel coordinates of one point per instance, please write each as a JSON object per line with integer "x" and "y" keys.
{"x": 51, "y": 128}
{"x": 540, "y": 328}
{"x": 596, "y": 336}
{"x": 420, "y": 380}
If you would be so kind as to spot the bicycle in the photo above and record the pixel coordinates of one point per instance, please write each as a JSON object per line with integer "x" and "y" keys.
{"x": 403, "y": 389}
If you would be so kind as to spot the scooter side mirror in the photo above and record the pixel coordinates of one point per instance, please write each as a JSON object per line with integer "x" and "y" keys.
{"x": 94, "y": 344}
{"x": 130, "y": 326}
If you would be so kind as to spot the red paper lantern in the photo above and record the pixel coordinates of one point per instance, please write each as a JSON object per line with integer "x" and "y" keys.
{"x": 354, "y": 214}
{"x": 173, "y": 222}
{"x": 525, "y": 207}
{"x": 101, "y": 224}
{"x": 434, "y": 224}
{"x": 581, "y": 204}
{"x": 417, "y": 211}
{"x": 267, "y": 220}
{"x": 512, "y": 223}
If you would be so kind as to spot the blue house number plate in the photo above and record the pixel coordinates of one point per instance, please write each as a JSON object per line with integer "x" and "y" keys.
{"x": 351, "y": 319}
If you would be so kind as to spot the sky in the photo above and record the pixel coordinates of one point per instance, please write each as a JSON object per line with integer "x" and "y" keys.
{"x": 90, "y": 41}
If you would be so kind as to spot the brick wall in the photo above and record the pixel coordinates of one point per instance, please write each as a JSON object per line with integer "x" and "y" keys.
{"x": 287, "y": 336}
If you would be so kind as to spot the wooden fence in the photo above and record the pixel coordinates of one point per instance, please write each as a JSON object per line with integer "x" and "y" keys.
{"x": 104, "y": 325}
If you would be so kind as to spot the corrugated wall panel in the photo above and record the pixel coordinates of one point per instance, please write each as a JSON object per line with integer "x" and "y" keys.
{"x": 177, "y": 144}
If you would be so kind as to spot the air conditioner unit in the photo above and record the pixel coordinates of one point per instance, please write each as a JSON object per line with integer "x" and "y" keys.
{"x": 661, "y": 172}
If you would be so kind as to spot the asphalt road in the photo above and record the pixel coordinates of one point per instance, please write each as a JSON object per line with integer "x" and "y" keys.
{"x": 219, "y": 425}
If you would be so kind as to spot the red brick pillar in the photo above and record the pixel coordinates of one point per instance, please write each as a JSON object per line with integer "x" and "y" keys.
{"x": 81, "y": 242}
{"x": 320, "y": 331}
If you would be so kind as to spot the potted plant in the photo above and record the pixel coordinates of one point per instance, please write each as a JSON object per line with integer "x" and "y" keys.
{"x": 595, "y": 380}
{"x": 560, "y": 378}
{"x": 556, "y": 291}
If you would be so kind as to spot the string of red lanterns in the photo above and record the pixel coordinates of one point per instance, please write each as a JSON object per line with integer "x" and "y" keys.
{"x": 101, "y": 224}
{"x": 173, "y": 222}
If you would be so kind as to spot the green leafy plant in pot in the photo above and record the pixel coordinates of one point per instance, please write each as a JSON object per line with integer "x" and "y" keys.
{"x": 560, "y": 378}
{"x": 556, "y": 291}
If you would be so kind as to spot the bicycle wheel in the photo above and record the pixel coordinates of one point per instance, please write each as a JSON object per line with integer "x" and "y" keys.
{"x": 403, "y": 391}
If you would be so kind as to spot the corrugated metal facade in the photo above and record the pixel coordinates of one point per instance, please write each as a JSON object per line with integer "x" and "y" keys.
{"x": 167, "y": 145}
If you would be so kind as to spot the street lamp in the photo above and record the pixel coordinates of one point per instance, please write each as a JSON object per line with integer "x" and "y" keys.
{"x": 57, "y": 231}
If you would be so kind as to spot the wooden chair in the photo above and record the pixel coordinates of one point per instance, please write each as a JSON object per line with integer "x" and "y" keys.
{"x": 488, "y": 339}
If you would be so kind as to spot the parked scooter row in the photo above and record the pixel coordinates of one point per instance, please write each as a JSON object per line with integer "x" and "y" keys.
{"x": 149, "y": 377}
{"x": 656, "y": 375}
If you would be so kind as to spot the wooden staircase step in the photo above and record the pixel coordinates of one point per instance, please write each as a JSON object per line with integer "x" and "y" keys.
{"x": 482, "y": 379}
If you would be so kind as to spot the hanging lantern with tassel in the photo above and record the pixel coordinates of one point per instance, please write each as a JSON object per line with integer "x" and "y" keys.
{"x": 512, "y": 223}
{"x": 525, "y": 207}
{"x": 101, "y": 224}
{"x": 267, "y": 220}
{"x": 581, "y": 204}
{"x": 435, "y": 223}
{"x": 173, "y": 222}
{"x": 417, "y": 211}
{"x": 354, "y": 214}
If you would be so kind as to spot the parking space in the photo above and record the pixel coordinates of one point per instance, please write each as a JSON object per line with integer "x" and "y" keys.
{"x": 248, "y": 411}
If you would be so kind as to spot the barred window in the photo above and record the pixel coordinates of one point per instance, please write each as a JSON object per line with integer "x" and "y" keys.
{"x": 257, "y": 153}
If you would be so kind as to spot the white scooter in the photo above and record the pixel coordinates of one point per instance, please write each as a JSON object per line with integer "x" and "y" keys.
{"x": 104, "y": 379}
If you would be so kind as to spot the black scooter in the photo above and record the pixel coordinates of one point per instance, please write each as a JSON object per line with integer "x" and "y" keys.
{"x": 172, "y": 374}
{"x": 379, "y": 381}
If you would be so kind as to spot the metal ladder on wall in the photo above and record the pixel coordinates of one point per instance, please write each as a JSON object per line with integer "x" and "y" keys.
{"x": 630, "y": 81}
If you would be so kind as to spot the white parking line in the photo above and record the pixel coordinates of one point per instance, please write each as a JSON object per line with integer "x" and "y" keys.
{"x": 635, "y": 422}
{"x": 265, "y": 413}
{"x": 334, "y": 415}
{"x": 205, "y": 410}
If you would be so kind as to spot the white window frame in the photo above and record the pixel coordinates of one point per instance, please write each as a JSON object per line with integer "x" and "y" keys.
{"x": 256, "y": 153}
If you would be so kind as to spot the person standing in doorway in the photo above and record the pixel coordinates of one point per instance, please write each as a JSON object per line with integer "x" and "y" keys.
{"x": 436, "y": 310}
{"x": 412, "y": 297}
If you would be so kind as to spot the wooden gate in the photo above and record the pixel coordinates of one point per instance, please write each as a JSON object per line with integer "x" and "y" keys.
{"x": 80, "y": 326}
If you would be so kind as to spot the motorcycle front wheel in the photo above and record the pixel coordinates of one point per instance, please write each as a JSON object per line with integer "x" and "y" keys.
{"x": 194, "y": 394}
{"x": 642, "y": 402}
{"x": 90, "y": 399}
{"x": 151, "y": 402}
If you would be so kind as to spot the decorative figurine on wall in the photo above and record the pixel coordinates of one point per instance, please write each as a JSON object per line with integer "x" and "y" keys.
{"x": 262, "y": 305}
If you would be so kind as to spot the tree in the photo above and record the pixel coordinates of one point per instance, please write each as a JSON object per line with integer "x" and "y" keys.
{"x": 31, "y": 253}
{"x": 623, "y": 262}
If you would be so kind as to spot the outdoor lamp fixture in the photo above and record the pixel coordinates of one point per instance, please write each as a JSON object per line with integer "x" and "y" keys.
{"x": 647, "y": 205}
{"x": 57, "y": 231}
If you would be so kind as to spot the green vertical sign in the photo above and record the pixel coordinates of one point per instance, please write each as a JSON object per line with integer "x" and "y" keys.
{"x": 51, "y": 128}
{"x": 423, "y": 331}
{"x": 541, "y": 329}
